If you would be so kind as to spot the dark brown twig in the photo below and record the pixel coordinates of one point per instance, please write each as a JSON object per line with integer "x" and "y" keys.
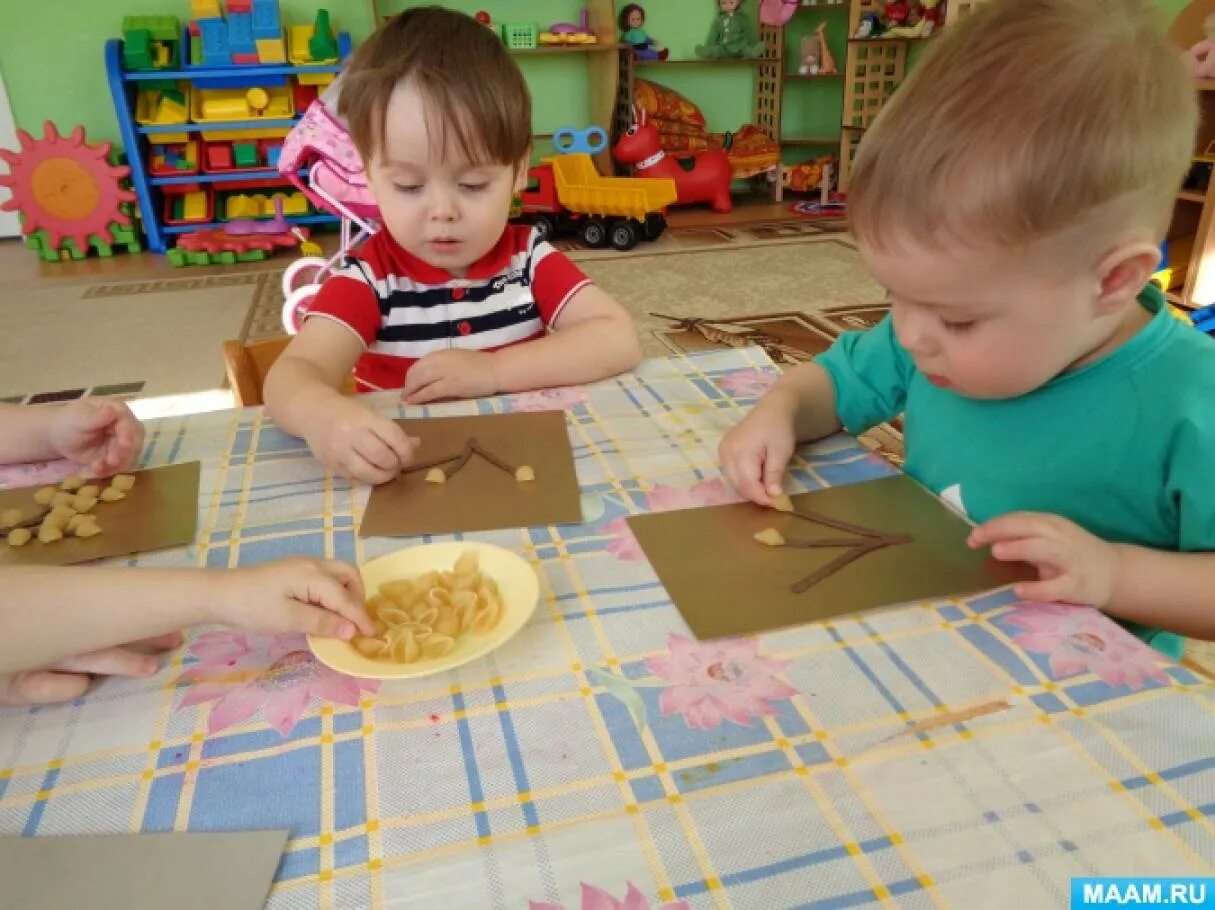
{"x": 461, "y": 459}
{"x": 855, "y": 553}
{"x": 838, "y": 524}
{"x": 493, "y": 459}
{"x": 821, "y": 544}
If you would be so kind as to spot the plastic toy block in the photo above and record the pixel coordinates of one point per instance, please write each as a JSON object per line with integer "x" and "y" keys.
{"x": 239, "y": 6}
{"x": 246, "y": 59}
{"x": 214, "y": 34}
{"x": 273, "y": 154}
{"x": 180, "y": 258}
{"x": 171, "y": 108}
{"x": 137, "y": 49}
{"x": 240, "y": 33}
{"x": 196, "y": 53}
{"x": 322, "y": 45}
{"x": 295, "y": 204}
{"x": 205, "y": 9}
{"x": 245, "y": 154}
{"x": 266, "y": 22}
{"x": 161, "y": 28}
{"x": 194, "y": 207}
{"x": 219, "y": 157}
{"x": 271, "y": 50}
{"x": 242, "y": 206}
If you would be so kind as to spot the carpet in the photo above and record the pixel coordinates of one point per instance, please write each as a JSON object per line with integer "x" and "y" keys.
{"x": 147, "y": 339}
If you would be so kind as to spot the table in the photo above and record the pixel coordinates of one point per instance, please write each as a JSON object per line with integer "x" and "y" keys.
{"x": 966, "y": 753}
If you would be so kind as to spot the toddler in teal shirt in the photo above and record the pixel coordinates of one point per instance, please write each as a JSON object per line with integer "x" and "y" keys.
{"x": 1010, "y": 197}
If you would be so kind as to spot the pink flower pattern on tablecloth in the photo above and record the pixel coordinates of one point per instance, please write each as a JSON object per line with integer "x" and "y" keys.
{"x": 546, "y": 400}
{"x": 278, "y": 676}
{"x": 718, "y": 680}
{"x": 1079, "y": 639}
{"x": 749, "y": 383}
{"x": 594, "y": 898}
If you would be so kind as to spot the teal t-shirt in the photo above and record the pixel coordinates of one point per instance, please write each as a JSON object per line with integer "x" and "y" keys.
{"x": 1124, "y": 447}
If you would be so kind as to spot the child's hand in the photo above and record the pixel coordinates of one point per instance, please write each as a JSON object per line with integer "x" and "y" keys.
{"x": 100, "y": 435}
{"x": 755, "y": 453}
{"x": 70, "y": 679}
{"x": 316, "y": 596}
{"x": 354, "y": 442}
{"x": 1073, "y": 565}
{"x": 450, "y": 374}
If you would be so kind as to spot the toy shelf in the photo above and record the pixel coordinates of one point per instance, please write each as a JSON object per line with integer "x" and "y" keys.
{"x": 209, "y": 225}
{"x": 270, "y": 124}
{"x": 547, "y": 50}
{"x": 704, "y": 61}
{"x": 137, "y": 138}
{"x": 811, "y": 76}
{"x": 1191, "y": 196}
{"x": 812, "y": 140}
{"x": 230, "y": 177}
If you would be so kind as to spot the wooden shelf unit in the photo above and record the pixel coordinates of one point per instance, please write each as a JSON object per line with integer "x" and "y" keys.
{"x": 1191, "y": 238}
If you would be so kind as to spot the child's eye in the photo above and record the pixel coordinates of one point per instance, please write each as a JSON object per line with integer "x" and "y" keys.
{"x": 406, "y": 188}
{"x": 473, "y": 187}
{"x": 959, "y": 326}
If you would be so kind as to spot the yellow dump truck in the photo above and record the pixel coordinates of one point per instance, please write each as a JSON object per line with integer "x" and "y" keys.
{"x": 566, "y": 195}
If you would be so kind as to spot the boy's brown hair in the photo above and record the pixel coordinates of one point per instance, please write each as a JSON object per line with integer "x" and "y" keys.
{"x": 1022, "y": 120}
{"x": 472, "y": 89}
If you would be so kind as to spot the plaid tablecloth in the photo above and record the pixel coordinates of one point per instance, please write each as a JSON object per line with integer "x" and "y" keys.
{"x": 963, "y": 753}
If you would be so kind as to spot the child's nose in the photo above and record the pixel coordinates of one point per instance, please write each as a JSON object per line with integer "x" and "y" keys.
{"x": 443, "y": 206}
{"x": 913, "y": 329}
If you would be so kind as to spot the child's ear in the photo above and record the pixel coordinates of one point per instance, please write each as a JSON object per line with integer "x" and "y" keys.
{"x": 521, "y": 171}
{"x": 1123, "y": 273}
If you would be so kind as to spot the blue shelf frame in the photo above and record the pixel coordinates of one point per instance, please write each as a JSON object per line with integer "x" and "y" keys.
{"x": 124, "y": 87}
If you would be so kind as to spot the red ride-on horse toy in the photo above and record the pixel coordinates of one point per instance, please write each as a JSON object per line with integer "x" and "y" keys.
{"x": 707, "y": 181}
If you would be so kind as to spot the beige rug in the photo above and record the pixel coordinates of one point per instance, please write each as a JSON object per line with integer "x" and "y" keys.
{"x": 808, "y": 273}
{"x": 150, "y": 338}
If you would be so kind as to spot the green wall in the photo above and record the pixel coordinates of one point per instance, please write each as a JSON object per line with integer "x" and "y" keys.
{"x": 52, "y": 60}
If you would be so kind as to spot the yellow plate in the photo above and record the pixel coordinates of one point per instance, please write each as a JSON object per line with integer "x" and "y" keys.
{"x": 517, "y": 582}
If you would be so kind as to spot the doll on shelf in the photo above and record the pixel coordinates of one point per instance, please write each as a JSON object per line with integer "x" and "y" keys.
{"x": 632, "y": 32}
{"x": 731, "y": 34}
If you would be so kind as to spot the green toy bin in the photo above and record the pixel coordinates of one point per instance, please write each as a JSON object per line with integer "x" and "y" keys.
{"x": 519, "y": 36}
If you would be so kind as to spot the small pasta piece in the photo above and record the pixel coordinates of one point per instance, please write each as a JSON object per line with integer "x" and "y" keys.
{"x": 88, "y": 528}
{"x": 62, "y": 499}
{"x": 59, "y": 517}
{"x": 89, "y": 490}
{"x": 75, "y": 521}
{"x": 782, "y": 503}
{"x": 72, "y": 484}
{"x": 438, "y": 646}
{"x": 525, "y": 474}
{"x": 436, "y": 475}
{"x": 83, "y": 503}
{"x": 467, "y": 563}
{"x": 44, "y": 496}
{"x": 112, "y": 494}
{"x": 19, "y": 537}
{"x": 369, "y": 647}
{"x": 10, "y": 517}
{"x": 123, "y": 482}
{"x": 770, "y": 537}
{"x": 49, "y": 533}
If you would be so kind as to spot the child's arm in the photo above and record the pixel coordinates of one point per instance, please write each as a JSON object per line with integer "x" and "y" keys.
{"x": 100, "y": 435}
{"x": 1173, "y": 591}
{"x": 96, "y": 608}
{"x": 799, "y": 408}
{"x": 594, "y": 337}
{"x": 302, "y": 396}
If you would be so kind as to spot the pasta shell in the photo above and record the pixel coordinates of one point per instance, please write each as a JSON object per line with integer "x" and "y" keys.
{"x": 467, "y": 564}
{"x": 438, "y": 646}
{"x": 369, "y": 647}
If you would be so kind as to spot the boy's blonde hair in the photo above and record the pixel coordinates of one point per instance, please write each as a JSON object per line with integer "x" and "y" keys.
{"x": 473, "y": 91}
{"x": 1021, "y": 120}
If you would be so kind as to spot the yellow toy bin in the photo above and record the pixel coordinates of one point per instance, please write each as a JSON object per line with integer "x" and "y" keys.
{"x": 154, "y": 108}
{"x": 224, "y": 105}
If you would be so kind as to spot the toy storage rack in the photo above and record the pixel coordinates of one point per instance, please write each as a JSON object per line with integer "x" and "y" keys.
{"x": 137, "y": 138}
